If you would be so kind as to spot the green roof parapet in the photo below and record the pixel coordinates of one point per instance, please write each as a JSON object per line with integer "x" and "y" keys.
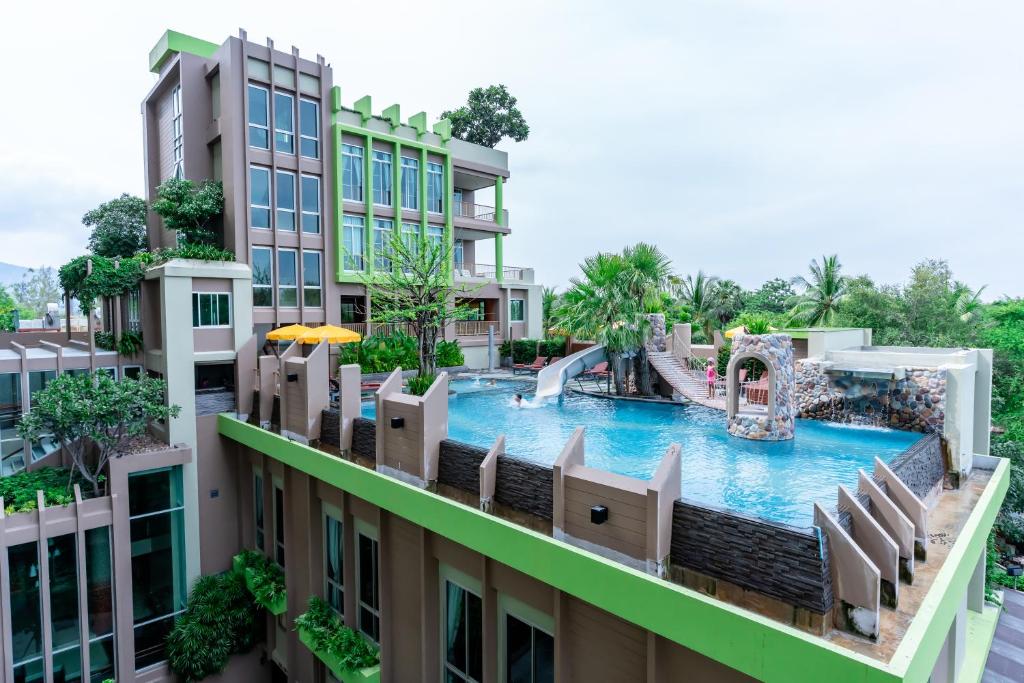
{"x": 444, "y": 129}
{"x": 419, "y": 122}
{"x": 365, "y": 108}
{"x": 335, "y": 99}
{"x": 393, "y": 115}
{"x": 173, "y": 42}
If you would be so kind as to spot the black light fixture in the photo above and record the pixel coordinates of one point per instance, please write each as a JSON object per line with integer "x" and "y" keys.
{"x": 293, "y": 377}
{"x": 598, "y": 514}
{"x": 1015, "y": 570}
{"x": 397, "y": 422}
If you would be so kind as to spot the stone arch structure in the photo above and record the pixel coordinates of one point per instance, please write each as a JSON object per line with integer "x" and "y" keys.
{"x": 774, "y": 422}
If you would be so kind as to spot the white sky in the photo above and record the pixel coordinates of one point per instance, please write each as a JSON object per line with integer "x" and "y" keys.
{"x": 742, "y": 137}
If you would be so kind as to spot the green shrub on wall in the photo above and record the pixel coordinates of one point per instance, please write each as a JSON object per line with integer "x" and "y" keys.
{"x": 419, "y": 385}
{"x": 19, "y": 490}
{"x": 526, "y": 350}
{"x": 379, "y": 353}
{"x": 449, "y": 354}
{"x": 267, "y": 579}
{"x": 326, "y": 634}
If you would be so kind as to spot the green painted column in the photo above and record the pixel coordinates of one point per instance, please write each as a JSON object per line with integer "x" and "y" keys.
{"x": 339, "y": 200}
{"x": 499, "y": 219}
{"x": 423, "y": 191}
{"x": 396, "y": 191}
{"x": 368, "y": 197}
{"x": 449, "y": 227}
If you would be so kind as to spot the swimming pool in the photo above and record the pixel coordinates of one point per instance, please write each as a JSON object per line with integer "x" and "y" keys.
{"x": 777, "y": 480}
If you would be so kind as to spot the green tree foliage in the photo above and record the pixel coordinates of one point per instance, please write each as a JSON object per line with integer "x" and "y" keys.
{"x": 8, "y": 308}
{"x": 19, "y": 489}
{"x": 416, "y": 290}
{"x": 1002, "y": 330}
{"x": 37, "y": 288}
{"x": 449, "y": 354}
{"x": 330, "y": 636}
{"x": 118, "y": 227}
{"x": 420, "y": 384}
{"x": 773, "y": 296}
{"x": 821, "y": 295}
{"x": 94, "y": 417}
{"x": 190, "y": 209}
{"x": 219, "y": 621}
{"x": 489, "y": 115}
{"x": 382, "y": 353}
{"x": 877, "y": 307}
{"x": 549, "y": 301}
{"x": 700, "y": 294}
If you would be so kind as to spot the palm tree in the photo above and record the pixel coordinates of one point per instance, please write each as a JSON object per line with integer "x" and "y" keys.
{"x": 728, "y": 301}
{"x": 700, "y": 294}
{"x": 647, "y": 275}
{"x": 966, "y": 301}
{"x": 822, "y": 294}
{"x": 549, "y": 305}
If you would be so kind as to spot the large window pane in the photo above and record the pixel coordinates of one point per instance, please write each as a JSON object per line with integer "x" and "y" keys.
{"x": 463, "y": 634}
{"x": 279, "y": 554}
{"x": 284, "y": 123}
{"x": 382, "y": 176}
{"x": 352, "y": 172}
{"x": 369, "y": 595}
{"x": 101, "y": 659}
{"x": 262, "y": 277}
{"x": 309, "y": 129}
{"x": 63, "y": 591}
{"x": 334, "y": 563}
{"x": 26, "y": 617}
{"x": 311, "y": 290}
{"x": 382, "y": 229}
{"x": 259, "y": 117}
{"x": 410, "y": 183}
{"x": 12, "y": 454}
{"x": 98, "y": 586}
{"x": 287, "y": 280}
{"x": 435, "y": 191}
{"x": 311, "y": 204}
{"x": 353, "y": 242}
{"x": 257, "y": 504}
{"x": 285, "y": 201}
{"x": 259, "y": 205}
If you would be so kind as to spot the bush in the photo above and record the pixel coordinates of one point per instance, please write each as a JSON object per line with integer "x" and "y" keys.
{"x": 19, "y": 490}
{"x": 378, "y": 353}
{"x": 419, "y": 385}
{"x": 327, "y": 634}
{"x": 267, "y": 578}
{"x": 129, "y": 343}
{"x": 190, "y": 208}
{"x": 449, "y": 354}
{"x": 218, "y": 622}
{"x": 555, "y": 346}
{"x": 722, "y": 361}
{"x": 105, "y": 340}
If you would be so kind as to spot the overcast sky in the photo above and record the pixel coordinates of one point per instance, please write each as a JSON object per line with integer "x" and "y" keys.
{"x": 742, "y": 137}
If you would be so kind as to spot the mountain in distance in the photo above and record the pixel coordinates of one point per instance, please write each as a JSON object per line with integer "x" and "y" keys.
{"x": 10, "y": 273}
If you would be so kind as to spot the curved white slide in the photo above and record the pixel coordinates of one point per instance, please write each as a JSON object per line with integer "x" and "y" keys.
{"x": 552, "y": 378}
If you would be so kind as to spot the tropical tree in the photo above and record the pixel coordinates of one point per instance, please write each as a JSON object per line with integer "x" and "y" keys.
{"x": 966, "y": 301}
{"x": 771, "y": 297}
{"x": 489, "y": 115}
{"x": 190, "y": 209}
{"x": 87, "y": 412}
{"x": 549, "y": 305}
{"x": 9, "y": 309}
{"x": 646, "y": 276}
{"x": 37, "y": 288}
{"x": 700, "y": 293}
{"x": 822, "y": 294}
{"x": 118, "y": 227}
{"x": 415, "y": 289}
{"x": 728, "y": 301}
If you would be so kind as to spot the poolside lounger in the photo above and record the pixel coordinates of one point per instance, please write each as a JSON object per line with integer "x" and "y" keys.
{"x": 536, "y": 366}
{"x": 597, "y": 373}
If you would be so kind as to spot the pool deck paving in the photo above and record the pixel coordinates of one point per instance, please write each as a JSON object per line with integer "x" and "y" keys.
{"x": 1006, "y": 658}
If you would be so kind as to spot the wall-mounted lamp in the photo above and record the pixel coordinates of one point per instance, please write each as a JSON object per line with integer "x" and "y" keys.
{"x": 397, "y": 422}
{"x": 598, "y": 514}
{"x": 293, "y": 377}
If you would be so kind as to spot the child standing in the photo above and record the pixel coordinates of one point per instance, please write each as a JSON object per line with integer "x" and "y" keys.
{"x": 712, "y": 376}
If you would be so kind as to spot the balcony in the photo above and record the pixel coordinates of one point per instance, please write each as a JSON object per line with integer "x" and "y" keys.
{"x": 475, "y": 328}
{"x": 478, "y": 212}
{"x": 485, "y": 271}
{"x": 367, "y": 329}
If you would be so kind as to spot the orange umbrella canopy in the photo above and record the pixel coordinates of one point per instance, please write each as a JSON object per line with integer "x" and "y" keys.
{"x": 332, "y": 334}
{"x": 287, "y": 332}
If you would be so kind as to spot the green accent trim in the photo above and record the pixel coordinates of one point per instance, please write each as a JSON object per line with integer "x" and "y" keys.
{"x": 449, "y": 214}
{"x": 368, "y": 266}
{"x": 443, "y": 128}
{"x": 364, "y": 106}
{"x": 370, "y": 674}
{"x": 339, "y": 200}
{"x": 419, "y": 122}
{"x": 981, "y": 629}
{"x": 423, "y": 191}
{"x": 393, "y": 115}
{"x": 499, "y": 257}
{"x": 335, "y": 102}
{"x": 173, "y": 42}
{"x": 743, "y": 640}
{"x": 499, "y": 219}
{"x": 406, "y": 142}
{"x": 396, "y": 191}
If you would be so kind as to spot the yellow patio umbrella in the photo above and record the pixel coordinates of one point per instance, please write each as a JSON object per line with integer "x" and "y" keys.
{"x": 287, "y": 333}
{"x": 739, "y": 329}
{"x": 332, "y": 334}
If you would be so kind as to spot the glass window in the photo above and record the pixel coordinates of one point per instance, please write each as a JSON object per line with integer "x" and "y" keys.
{"x": 457, "y": 199}
{"x": 211, "y": 309}
{"x": 410, "y": 183}
{"x": 46, "y": 443}
{"x": 287, "y": 280}
{"x": 311, "y": 204}
{"x": 411, "y": 235}
{"x": 353, "y": 241}
{"x": 26, "y": 616}
{"x": 134, "y": 310}
{"x": 529, "y": 653}
{"x": 435, "y": 236}
{"x": 131, "y": 371}
{"x": 177, "y": 134}
{"x": 259, "y": 117}
{"x": 257, "y": 506}
{"x": 382, "y": 176}
{"x": 64, "y": 624}
{"x": 99, "y": 603}
{"x": 352, "y": 172}
{"x": 284, "y": 123}
{"x": 435, "y": 185}
{"x": 517, "y": 310}
{"x": 463, "y": 635}
{"x": 460, "y": 254}
{"x": 279, "y": 524}
{"x": 369, "y": 592}
{"x": 309, "y": 129}
{"x": 285, "y": 201}
{"x": 262, "y": 277}
{"x": 12, "y": 453}
{"x": 382, "y": 229}
{"x": 312, "y": 295}
{"x": 334, "y": 554}
{"x": 158, "y": 558}
{"x": 259, "y": 202}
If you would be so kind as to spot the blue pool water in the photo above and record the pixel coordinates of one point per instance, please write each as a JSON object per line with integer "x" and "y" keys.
{"x": 776, "y": 480}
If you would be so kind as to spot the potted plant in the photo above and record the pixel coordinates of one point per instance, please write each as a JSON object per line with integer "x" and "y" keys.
{"x": 349, "y": 656}
{"x": 264, "y": 579}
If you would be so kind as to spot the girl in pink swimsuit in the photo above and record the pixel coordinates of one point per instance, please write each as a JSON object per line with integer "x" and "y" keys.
{"x": 712, "y": 376}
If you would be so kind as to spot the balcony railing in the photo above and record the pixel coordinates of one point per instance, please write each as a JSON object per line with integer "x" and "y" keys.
{"x": 488, "y": 271}
{"x": 475, "y": 211}
{"x": 472, "y": 328}
{"x": 378, "y": 329}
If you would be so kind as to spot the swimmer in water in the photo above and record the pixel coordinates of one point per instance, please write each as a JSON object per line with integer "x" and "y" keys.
{"x": 518, "y": 400}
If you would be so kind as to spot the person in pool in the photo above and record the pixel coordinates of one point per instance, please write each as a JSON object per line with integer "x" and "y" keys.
{"x": 518, "y": 400}
{"x": 712, "y": 376}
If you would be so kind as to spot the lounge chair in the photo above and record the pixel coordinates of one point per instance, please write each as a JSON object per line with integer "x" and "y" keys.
{"x": 757, "y": 392}
{"x": 597, "y": 373}
{"x": 535, "y": 366}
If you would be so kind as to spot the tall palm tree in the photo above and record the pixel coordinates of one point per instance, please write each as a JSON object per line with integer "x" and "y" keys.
{"x": 699, "y": 292}
{"x": 727, "y": 301}
{"x": 549, "y": 305}
{"x": 647, "y": 275}
{"x": 967, "y": 302}
{"x": 822, "y": 294}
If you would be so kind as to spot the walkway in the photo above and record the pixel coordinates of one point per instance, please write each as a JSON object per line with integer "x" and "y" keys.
{"x": 690, "y": 384}
{"x": 1006, "y": 658}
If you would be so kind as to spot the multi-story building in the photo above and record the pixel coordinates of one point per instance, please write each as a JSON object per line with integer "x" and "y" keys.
{"x": 460, "y": 561}
{"x": 314, "y": 189}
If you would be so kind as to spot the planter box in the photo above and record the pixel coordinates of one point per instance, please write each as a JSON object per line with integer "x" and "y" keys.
{"x": 276, "y": 607}
{"x": 370, "y": 674}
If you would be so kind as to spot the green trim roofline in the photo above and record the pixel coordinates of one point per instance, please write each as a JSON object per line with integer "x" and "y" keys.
{"x": 173, "y": 42}
{"x": 742, "y": 640}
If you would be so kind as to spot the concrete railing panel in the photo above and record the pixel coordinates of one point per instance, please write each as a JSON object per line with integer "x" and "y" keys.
{"x": 856, "y": 581}
{"x": 876, "y": 544}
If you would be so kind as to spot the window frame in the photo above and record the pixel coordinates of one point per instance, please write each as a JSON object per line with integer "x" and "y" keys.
{"x": 319, "y": 276}
{"x": 448, "y": 574}
{"x": 280, "y": 555}
{"x": 522, "y": 310}
{"x": 361, "y": 528}
{"x": 269, "y": 208}
{"x": 302, "y": 136}
{"x": 439, "y": 199}
{"x": 531, "y": 616}
{"x": 277, "y": 200}
{"x": 295, "y": 285}
{"x": 269, "y": 286}
{"x": 414, "y": 195}
{"x": 347, "y": 253}
{"x": 330, "y": 512}
{"x": 348, "y": 154}
{"x": 197, "y": 312}
{"x": 319, "y": 203}
{"x": 284, "y": 132}
{"x": 265, "y": 128}
{"x": 386, "y": 177}
{"x": 177, "y": 134}
{"x": 259, "y": 509}
{"x": 380, "y": 261}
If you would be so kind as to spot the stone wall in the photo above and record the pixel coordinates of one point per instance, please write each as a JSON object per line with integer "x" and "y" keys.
{"x": 779, "y": 561}
{"x": 525, "y": 486}
{"x": 659, "y": 338}
{"x": 214, "y": 401}
{"x": 916, "y": 402}
{"x": 330, "y": 427}
{"x": 768, "y": 423}
{"x": 458, "y": 465}
{"x": 922, "y": 466}
{"x": 364, "y": 438}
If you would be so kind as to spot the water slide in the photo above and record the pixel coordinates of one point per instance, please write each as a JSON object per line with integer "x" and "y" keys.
{"x": 552, "y": 378}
